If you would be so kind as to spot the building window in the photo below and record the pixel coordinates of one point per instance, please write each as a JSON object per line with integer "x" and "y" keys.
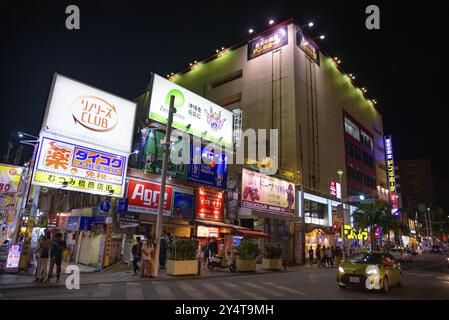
{"x": 314, "y": 209}
{"x": 227, "y": 78}
{"x": 352, "y": 129}
{"x": 366, "y": 140}
{"x": 368, "y": 160}
{"x": 369, "y": 181}
{"x": 353, "y": 150}
{"x": 355, "y": 174}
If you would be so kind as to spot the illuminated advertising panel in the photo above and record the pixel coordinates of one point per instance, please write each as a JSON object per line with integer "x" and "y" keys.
{"x": 143, "y": 197}
{"x": 63, "y": 164}
{"x": 194, "y": 114}
{"x": 308, "y": 46}
{"x": 207, "y": 232}
{"x": 355, "y": 234}
{"x": 212, "y": 173}
{"x": 10, "y": 177}
{"x": 84, "y": 113}
{"x": 267, "y": 42}
{"x": 333, "y": 188}
{"x": 262, "y": 192}
{"x": 391, "y": 175}
{"x": 209, "y": 204}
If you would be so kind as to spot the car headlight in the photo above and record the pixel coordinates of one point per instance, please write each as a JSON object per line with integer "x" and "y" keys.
{"x": 341, "y": 270}
{"x": 372, "y": 270}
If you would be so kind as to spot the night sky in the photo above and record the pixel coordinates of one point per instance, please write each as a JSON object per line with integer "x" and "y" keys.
{"x": 403, "y": 65}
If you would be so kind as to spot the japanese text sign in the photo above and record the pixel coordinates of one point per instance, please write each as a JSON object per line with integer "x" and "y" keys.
{"x": 78, "y": 168}
{"x": 306, "y": 45}
{"x": 262, "y": 192}
{"x": 267, "y": 42}
{"x": 210, "y": 204}
{"x": 10, "y": 177}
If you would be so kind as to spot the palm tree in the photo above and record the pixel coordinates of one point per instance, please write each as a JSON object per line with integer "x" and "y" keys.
{"x": 378, "y": 214}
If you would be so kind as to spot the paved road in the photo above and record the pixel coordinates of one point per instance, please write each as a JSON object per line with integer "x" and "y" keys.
{"x": 425, "y": 278}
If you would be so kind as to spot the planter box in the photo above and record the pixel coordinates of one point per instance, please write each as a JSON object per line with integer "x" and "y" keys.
{"x": 272, "y": 264}
{"x": 246, "y": 265}
{"x": 182, "y": 267}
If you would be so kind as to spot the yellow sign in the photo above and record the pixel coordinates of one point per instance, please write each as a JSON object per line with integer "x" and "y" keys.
{"x": 10, "y": 177}
{"x": 354, "y": 234}
{"x": 80, "y": 184}
{"x": 287, "y": 174}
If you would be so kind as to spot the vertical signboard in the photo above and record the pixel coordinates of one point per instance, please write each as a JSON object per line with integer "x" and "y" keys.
{"x": 210, "y": 204}
{"x": 308, "y": 46}
{"x": 391, "y": 175}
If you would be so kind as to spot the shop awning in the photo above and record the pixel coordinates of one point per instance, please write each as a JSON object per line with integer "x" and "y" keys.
{"x": 249, "y": 233}
{"x": 215, "y": 223}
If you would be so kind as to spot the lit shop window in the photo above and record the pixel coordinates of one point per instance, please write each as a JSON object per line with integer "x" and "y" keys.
{"x": 352, "y": 129}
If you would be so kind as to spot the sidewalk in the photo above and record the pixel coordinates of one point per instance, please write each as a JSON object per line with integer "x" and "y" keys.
{"x": 123, "y": 273}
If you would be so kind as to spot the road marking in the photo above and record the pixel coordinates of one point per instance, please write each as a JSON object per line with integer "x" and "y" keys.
{"x": 104, "y": 291}
{"x": 191, "y": 291}
{"x": 312, "y": 278}
{"x": 252, "y": 295}
{"x": 255, "y": 286}
{"x": 288, "y": 289}
{"x": 133, "y": 291}
{"x": 218, "y": 291}
{"x": 163, "y": 291}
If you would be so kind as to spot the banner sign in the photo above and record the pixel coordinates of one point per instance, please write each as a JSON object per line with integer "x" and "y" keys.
{"x": 308, "y": 46}
{"x": 10, "y": 177}
{"x": 333, "y": 188}
{"x": 355, "y": 234}
{"x": 13, "y": 260}
{"x": 84, "y": 113}
{"x": 267, "y": 42}
{"x": 78, "y": 168}
{"x": 209, "y": 204}
{"x": 183, "y": 205}
{"x": 129, "y": 217}
{"x": 143, "y": 197}
{"x": 207, "y": 232}
{"x": 194, "y": 114}
{"x": 262, "y": 192}
{"x": 213, "y": 173}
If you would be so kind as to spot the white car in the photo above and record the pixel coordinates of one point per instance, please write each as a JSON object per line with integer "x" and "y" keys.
{"x": 401, "y": 254}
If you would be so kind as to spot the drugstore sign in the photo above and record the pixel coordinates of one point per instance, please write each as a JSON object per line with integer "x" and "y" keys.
{"x": 63, "y": 164}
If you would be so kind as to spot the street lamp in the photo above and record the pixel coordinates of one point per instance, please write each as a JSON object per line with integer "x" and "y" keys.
{"x": 251, "y": 31}
{"x": 271, "y": 22}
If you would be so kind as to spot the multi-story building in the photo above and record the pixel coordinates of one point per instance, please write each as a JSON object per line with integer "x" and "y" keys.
{"x": 280, "y": 79}
{"x": 415, "y": 183}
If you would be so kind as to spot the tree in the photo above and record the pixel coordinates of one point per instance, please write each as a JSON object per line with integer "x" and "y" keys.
{"x": 377, "y": 214}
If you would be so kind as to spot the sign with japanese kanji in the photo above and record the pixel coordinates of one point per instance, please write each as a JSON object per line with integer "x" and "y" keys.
{"x": 10, "y": 177}
{"x": 267, "y": 193}
{"x": 209, "y": 204}
{"x": 63, "y": 164}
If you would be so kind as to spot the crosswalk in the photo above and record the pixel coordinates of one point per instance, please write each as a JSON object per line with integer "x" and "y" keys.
{"x": 174, "y": 290}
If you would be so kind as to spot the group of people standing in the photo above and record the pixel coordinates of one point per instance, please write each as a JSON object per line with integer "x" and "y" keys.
{"x": 209, "y": 249}
{"x": 325, "y": 256}
{"x": 144, "y": 251}
{"x": 49, "y": 248}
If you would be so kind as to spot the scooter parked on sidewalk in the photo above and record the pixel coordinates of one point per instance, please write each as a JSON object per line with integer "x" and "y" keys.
{"x": 217, "y": 262}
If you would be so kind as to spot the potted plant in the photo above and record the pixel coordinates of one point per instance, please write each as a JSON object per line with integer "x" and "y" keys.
{"x": 272, "y": 258}
{"x": 182, "y": 258}
{"x": 247, "y": 253}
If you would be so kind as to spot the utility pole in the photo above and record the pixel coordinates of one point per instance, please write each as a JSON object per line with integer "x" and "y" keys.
{"x": 160, "y": 215}
{"x": 303, "y": 219}
{"x": 342, "y": 232}
{"x": 430, "y": 227}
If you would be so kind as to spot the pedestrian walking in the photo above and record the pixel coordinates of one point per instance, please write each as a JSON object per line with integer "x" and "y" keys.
{"x": 311, "y": 255}
{"x": 206, "y": 251}
{"x": 323, "y": 256}
{"x": 338, "y": 255}
{"x": 136, "y": 252}
{"x": 57, "y": 249}
{"x": 318, "y": 256}
{"x": 163, "y": 250}
{"x": 43, "y": 252}
{"x": 333, "y": 250}
{"x": 147, "y": 258}
{"x": 213, "y": 247}
{"x": 329, "y": 261}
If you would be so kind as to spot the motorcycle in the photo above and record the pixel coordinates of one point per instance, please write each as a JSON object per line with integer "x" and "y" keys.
{"x": 216, "y": 262}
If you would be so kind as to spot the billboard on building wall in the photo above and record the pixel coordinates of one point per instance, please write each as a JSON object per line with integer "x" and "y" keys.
{"x": 391, "y": 175}
{"x": 214, "y": 173}
{"x": 209, "y": 204}
{"x": 262, "y": 192}
{"x": 267, "y": 42}
{"x": 194, "y": 114}
{"x": 143, "y": 197}
{"x": 10, "y": 177}
{"x": 65, "y": 164}
{"x": 308, "y": 46}
{"x": 87, "y": 114}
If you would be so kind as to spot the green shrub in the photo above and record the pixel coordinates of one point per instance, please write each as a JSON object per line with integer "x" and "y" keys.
{"x": 248, "y": 250}
{"x": 182, "y": 249}
{"x": 273, "y": 251}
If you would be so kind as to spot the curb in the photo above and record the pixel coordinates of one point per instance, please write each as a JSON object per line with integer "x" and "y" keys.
{"x": 170, "y": 278}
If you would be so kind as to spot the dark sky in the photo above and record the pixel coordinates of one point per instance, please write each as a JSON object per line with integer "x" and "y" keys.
{"x": 403, "y": 65}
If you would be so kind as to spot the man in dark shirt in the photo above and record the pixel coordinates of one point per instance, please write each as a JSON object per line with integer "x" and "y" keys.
{"x": 57, "y": 249}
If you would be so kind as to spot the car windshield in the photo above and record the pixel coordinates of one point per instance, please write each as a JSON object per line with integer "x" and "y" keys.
{"x": 366, "y": 258}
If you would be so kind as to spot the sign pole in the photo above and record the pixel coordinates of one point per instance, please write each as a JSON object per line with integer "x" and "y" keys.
{"x": 160, "y": 215}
